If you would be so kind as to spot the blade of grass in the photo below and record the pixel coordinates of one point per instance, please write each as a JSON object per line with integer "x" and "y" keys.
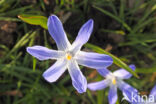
{"x": 122, "y": 7}
{"x": 114, "y": 17}
{"x": 9, "y": 19}
{"x": 19, "y": 44}
{"x": 25, "y": 62}
{"x": 146, "y": 70}
{"x": 90, "y": 97}
{"x": 139, "y": 26}
{"x": 120, "y": 32}
{"x": 100, "y": 96}
{"x": 34, "y": 63}
{"x": 14, "y": 12}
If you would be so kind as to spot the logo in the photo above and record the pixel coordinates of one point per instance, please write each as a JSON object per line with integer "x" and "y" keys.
{"x": 124, "y": 98}
{"x": 139, "y": 99}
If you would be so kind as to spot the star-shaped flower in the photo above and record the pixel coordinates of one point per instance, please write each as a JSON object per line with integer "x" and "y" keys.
{"x": 69, "y": 56}
{"x": 113, "y": 80}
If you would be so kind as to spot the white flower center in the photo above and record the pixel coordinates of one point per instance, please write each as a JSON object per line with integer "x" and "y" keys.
{"x": 112, "y": 78}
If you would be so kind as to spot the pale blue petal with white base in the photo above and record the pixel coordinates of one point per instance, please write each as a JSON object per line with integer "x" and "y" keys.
{"x": 122, "y": 73}
{"x": 104, "y": 72}
{"x": 93, "y": 60}
{"x": 78, "y": 79}
{"x": 43, "y": 53}
{"x": 98, "y": 85}
{"x": 56, "y": 30}
{"x": 124, "y": 86}
{"x": 55, "y": 71}
{"x": 112, "y": 95}
{"x": 83, "y": 35}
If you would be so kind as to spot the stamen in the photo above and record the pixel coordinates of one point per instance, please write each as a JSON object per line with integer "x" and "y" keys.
{"x": 68, "y": 56}
{"x": 114, "y": 81}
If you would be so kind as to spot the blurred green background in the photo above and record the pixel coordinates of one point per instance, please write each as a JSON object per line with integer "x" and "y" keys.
{"x": 124, "y": 28}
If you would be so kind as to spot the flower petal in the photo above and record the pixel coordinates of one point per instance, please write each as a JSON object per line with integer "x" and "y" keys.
{"x": 104, "y": 72}
{"x": 130, "y": 93}
{"x": 98, "y": 85}
{"x": 93, "y": 60}
{"x": 122, "y": 73}
{"x": 43, "y": 53}
{"x": 56, "y": 30}
{"x": 124, "y": 86}
{"x": 78, "y": 79}
{"x": 83, "y": 35}
{"x": 112, "y": 96}
{"x": 55, "y": 71}
{"x": 153, "y": 92}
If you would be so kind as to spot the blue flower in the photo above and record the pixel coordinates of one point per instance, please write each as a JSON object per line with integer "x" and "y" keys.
{"x": 69, "y": 56}
{"x": 113, "y": 80}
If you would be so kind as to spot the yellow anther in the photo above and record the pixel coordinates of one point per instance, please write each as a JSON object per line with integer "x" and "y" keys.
{"x": 68, "y": 56}
{"x": 114, "y": 81}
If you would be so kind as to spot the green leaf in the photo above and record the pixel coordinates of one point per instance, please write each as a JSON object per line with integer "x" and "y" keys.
{"x": 116, "y": 60}
{"x": 34, "y": 20}
{"x": 146, "y": 70}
